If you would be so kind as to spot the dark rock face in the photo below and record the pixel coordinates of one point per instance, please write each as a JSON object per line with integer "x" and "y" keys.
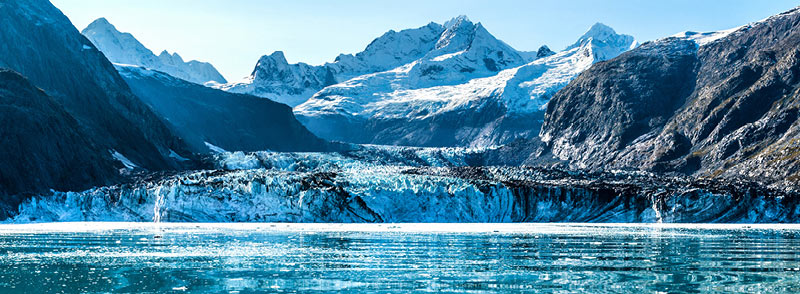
{"x": 616, "y": 102}
{"x": 44, "y": 147}
{"x": 234, "y": 122}
{"x": 544, "y": 51}
{"x": 40, "y": 43}
{"x": 730, "y": 108}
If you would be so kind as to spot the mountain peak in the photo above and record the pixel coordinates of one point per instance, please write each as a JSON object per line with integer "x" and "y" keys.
{"x": 268, "y": 64}
{"x": 101, "y": 24}
{"x": 459, "y": 33}
{"x": 601, "y": 34}
{"x": 123, "y": 48}
{"x": 544, "y": 51}
{"x": 278, "y": 55}
{"x": 170, "y": 58}
{"x": 456, "y": 21}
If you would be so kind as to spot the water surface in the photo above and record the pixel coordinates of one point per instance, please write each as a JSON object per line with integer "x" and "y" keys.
{"x": 481, "y": 258}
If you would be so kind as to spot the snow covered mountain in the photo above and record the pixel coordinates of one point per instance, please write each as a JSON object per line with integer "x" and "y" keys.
{"x": 388, "y": 51}
{"x": 123, "y": 48}
{"x": 274, "y": 78}
{"x": 292, "y": 84}
{"x": 471, "y": 90}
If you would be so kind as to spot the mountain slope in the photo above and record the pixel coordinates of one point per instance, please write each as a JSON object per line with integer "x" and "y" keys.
{"x": 234, "y": 122}
{"x": 716, "y": 104}
{"x": 40, "y": 43}
{"x": 44, "y": 147}
{"x": 388, "y": 51}
{"x": 466, "y": 101}
{"x": 124, "y": 48}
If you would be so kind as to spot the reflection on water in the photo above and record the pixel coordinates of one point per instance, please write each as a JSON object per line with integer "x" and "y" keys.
{"x": 372, "y": 258}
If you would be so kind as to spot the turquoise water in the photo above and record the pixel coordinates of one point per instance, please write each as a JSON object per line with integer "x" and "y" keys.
{"x": 480, "y": 258}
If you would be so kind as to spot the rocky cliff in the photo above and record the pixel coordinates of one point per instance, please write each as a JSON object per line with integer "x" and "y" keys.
{"x": 725, "y": 106}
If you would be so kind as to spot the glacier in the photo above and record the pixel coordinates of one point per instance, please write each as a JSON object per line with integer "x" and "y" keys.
{"x": 398, "y": 184}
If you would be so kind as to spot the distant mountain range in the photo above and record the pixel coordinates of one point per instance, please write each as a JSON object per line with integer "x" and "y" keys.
{"x": 436, "y": 85}
{"x": 670, "y": 105}
{"x": 471, "y": 90}
{"x": 208, "y": 118}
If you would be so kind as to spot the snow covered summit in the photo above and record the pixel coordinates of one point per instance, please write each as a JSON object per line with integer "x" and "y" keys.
{"x": 274, "y": 78}
{"x": 605, "y": 42}
{"x": 293, "y": 84}
{"x": 471, "y": 90}
{"x": 430, "y": 55}
{"x": 123, "y": 48}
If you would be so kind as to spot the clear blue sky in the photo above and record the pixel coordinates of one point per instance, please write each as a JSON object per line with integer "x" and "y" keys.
{"x": 233, "y": 34}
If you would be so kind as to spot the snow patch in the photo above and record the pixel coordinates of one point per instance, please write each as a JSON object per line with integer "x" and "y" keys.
{"x": 176, "y": 156}
{"x": 214, "y": 149}
{"x": 124, "y": 160}
{"x": 702, "y": 39}
{"x": 447, "y": 56}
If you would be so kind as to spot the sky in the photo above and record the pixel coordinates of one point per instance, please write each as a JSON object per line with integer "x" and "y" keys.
{"x": 233, "y": 34}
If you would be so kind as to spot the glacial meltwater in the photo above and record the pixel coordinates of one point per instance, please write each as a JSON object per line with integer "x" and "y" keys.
{"x": 484, "y": 258}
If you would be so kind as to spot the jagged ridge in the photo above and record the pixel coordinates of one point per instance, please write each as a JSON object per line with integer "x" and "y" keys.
{"x": 123, "y": 48}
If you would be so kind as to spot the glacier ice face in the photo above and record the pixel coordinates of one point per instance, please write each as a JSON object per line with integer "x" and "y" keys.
{"x": 405, "y": 185}
{"x": 123, "y": 48}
